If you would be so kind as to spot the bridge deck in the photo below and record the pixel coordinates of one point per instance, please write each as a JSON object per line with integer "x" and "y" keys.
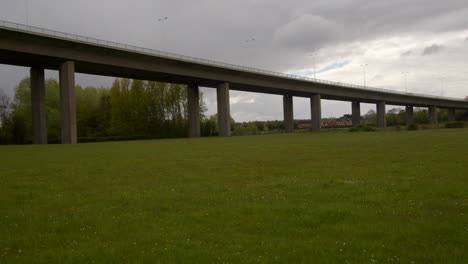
{"x": 31, "y": 46}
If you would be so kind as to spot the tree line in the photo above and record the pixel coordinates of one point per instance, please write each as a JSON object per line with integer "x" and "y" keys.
{"x": 397, "y": 117}
{"x": 126, "y": 110}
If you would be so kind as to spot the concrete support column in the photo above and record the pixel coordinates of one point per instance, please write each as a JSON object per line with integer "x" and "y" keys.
{"x": 381, "y": 115}
{"x": 451, "y": 115}
{"x": 409, "y": 115}
{"x": 288, "y": 113}
{"x": 224, "y": 116}
{"x": 67, "y": 102}
{"x": 356, "y": 113}
{"x": 39, "y": 128}
{"x": 315, "y": 112}
{"x": 433, "y": 115}
{"x": 193, "y": 105}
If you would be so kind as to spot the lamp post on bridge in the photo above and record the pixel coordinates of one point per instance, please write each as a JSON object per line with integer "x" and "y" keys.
{"x": 162, "y": 21}
{"x": 405, "y": 75}
{"x": 314, "y": 55}
{"x": 27, "y": 12}
{"x": 364, "y": 72}
{"x": 248, "y": 48}
{"x": 442, "y": 85}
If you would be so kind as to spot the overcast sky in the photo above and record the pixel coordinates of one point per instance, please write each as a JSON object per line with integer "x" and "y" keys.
{"x": 428, "y": 39}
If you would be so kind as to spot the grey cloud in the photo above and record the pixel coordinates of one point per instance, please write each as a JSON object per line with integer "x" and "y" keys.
{"x": 377, "y": 77}
{"x": 407, "y": 53}
{"x": 307, "y": 32}
{"x": 432, "y": 49}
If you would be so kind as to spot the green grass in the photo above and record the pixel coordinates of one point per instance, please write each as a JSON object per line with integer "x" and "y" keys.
{"x": 331, "y": 197}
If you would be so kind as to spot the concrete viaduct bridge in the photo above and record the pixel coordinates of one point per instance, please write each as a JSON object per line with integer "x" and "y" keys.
{"x": 46, "y": 49}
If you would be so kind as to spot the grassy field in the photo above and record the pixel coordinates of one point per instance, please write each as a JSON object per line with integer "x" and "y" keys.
{"x": 331, "y": 197}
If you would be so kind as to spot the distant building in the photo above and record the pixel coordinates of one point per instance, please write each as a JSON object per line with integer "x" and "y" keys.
{"x": 305, "y": 125}
{"x": 335, "y": 122}
{"x": 330, "y": 122}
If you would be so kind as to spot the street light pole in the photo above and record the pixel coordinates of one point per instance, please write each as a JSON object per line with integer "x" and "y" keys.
{"x": 27, "y": 12}
{"x": 364, "y": 72}
{"x": 405, "y": 75}
{"x": 162, "y": 21}
{"x": 315, "y": 72}
{"x": 442, "y": 86}
{"x": 313, "y": 55}
{"x": 248, "y": 47}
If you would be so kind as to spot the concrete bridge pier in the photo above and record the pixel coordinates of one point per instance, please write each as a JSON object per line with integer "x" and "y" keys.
{"x": 381, "y": 115}
{"x": 315, "y": 112}
{"x": 39, "y": 127}
{"x": 409, "y": 115}
{"x": 356, "y": 113}
{"x": 433, "y": 115}
{"x": 224, "y": 116}
{"x": 193, "y": 105}
{"x": 451, "y": 115}
{"x": 288, "y": 113}
{"x": 68, "y": 102}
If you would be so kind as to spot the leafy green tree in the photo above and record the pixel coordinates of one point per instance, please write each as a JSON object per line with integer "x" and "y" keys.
{"x": 129, "y": 108}
{"x": 22, "y": 113}
{"x": 421, "y": 116}
{"x": 231, "y": 121}
{"x": 52, "y": 98}
{"x": 6, "y": 121}
{"x": 370, "y": 117}
{"x": 462, "y": 115}
{"x": 395, "y": 117}
{"x": 442, "y": 115}
{"x": 250, "y": 128}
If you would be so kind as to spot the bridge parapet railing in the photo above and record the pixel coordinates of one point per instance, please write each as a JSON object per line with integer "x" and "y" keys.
{"x": 170, "y": 55}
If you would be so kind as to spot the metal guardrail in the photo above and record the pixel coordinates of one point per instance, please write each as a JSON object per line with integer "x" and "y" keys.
{"x": 111, "y": 44}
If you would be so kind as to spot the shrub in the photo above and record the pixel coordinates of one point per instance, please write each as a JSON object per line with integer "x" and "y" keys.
{"x": 344, "y": 126}
{"x": 362, "y": 128}
{"x": 424, "y": 127}
{"x": 413, "y": 127}
{"x": 248, "y": 129}
{"x": 368, "y": 128}
{"x": 458, "y": 124}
